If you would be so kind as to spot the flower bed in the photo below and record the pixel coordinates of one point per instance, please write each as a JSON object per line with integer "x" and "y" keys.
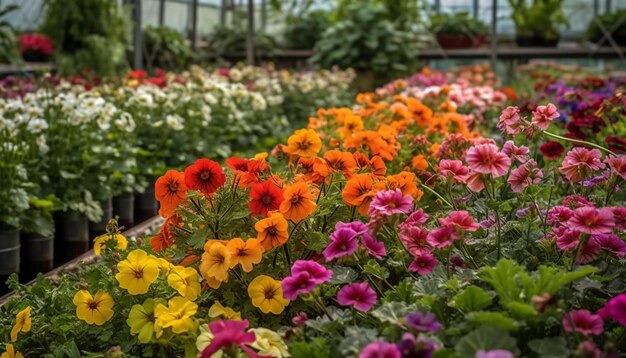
{"x": 392, "y": 228}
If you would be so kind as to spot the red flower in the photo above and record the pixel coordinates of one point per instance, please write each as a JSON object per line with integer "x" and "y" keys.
{"x": 551, "y": 150}
{"x": 265, "y": 197}
{"x": 36, "y": 43}
{"x": 137, "y": 74}
{"x": 165, "y": 237}
{"x": 204, "y": 175}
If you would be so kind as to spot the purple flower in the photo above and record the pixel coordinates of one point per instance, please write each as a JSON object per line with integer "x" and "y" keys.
{"x": 611, "y": 243}
{"x": 343, "y": 242}
{"x": 380, "y": 349}
{"x": 358, "y": 295}
{"x": 489, "y": 222}
{"x": 423, "y": 322}
{"x": 615, "y": 309}
{"x": 390, "y": 202}
{"x": 342, "y": 246}
{"x": 420, "y": 347}
{"x": 356, "y": 226}
{"x": 496, "y": 353}
{"x": 305, "y": 276}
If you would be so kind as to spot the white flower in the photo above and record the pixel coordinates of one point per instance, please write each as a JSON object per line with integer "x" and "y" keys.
{"x": 258, "y": 102}
{"x": 235, "y": 75}
{"x": 125, "y": 122}
{"x": 175, "y": 122}
{"x": 204, "y": 339}
{"x": 269, "y": 343}
{"x": 37, "y": 125}
{"x": 42, "y": 144}
{"x": 210, "y": 98}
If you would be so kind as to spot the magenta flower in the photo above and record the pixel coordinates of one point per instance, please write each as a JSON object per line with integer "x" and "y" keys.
{"x": 496, "y": 353}
{"x": 442, "y": 237}
{"x": 416, "y": 218}
{"x": 510, "y": 121}
{"x": 414, "y": 239}
{"x": 617, "y": 165}
{"x": 358, "y": 295}
{"x": 453, "y": 169}
{"x": 389, "y": 202}
{"x": 619, "y": 215}
{"x": 460, "y": 219}
{"x": 519, "y": 154}
{"x": 380, "y": 349}
{"x": 422, "y": 322}
{"x": 369, "y": 243}
{"x": 611, "y": 243}
{"x": 300, "y": 319}
{"x": 525, "y": 175}
{"x": 305, "y": 276}
{"x": 558, "y": 215}
{"x": 543, "y": 115}
{"x": 356, "y": 226}
{"x": 589, "y": 252}
{"x": 615, "y": 309}
{"x": 423, "y": 263}
{"x": 373, "y": 247}
{"x": 576, "y": 201}
{"x": 566, "y": 239}
{"x": 580, "y": 163}
{"x": 343, "y": 242}
{"x": 228, "y": 333}
{"x": 583, "y": 322}
{"x": 592, "y": 221}
{"x": 486, "y": 159}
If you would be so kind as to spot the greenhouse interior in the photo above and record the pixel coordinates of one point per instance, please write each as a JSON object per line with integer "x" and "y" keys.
{"x": 313, "y": 178}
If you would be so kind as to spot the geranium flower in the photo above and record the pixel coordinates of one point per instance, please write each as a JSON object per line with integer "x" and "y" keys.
{"x": 518, "y": 154}
{"x": 298, "y": 203}
{"x": 245, "y": 253}
{"x": 611, "y": 243}
{"x": 358, "y": 192}
{"x": 453, "y": 169}
{"x": 380, "y": 349}
{"x": 267, "y": 295}
{"x": 592, "y": 221}
{"x": 304, "y": 143}
{"x": 216, "y": 261}
{"x": 442, "y": 237}
{"x": 339, "y": 161}
{"x": 185, "y": 281}
{"x": 269, "y": 343}
{"x": 343, "y": 242}
{"x": 22, "y": 323}
{"x": 9, "y": 352}
{"x": 558, "y": 215}
{"x": 229, "y": 333}
{"x": 423, "y": 263}
{"x": 218, "y": 310}
{"x": 204, "y": 175}
{"x": 93, "y": 310}
{"x": 390, "y": 202}
{"x": 178, "y": 314}
{"x": 486, "y": 159}
{"x": 525, "y": 175}
{"x": 358, "y": 295}
{"x": 510, "y": 121}
{"x": 305, "y": 276}
{"x": 617, "y": 165}
{"x": 99, "y": 243}
{"x": 580, "y": 163}
{"x": 414, "y": 239}
{"x": 137, "y": 272}
{"x": 272, "y": 231}
{"x": 566, "y": 239}
{"x": 423, "y": 322}
{"x": 551, "y": 149}
{"x": 264, "y": 197}
{"x": 170, "y": 190}
{"x": 459, "y": 219}
{"x": 583, "y": 322}
{"x": 615, "y": 309}
{"x": 544, "y": 115}
{"x": 142, "y": 322}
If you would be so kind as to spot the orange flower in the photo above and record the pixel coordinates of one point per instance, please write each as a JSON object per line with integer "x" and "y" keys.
{"x": 358, "y": 192}
{"x": 315, "y": 169}
{"x": 165, "y": 237}
{"x": 339, "y": 161}
{"x": 351, "y": 124}
{"x": 272, "y": 231}
{"x": 421, "y": 113}
{"x": 304, "y": 143}
{"x": 375, "y": 166}
{"x": 170, "y": 191}
{"x": 419, "y": 162}
{"x": 406, "y": 182}
{"x": 245, "y": 253}
{"x": 298, "y": 203}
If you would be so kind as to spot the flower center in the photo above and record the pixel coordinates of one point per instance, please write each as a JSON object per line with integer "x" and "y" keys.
{"x": 173, "y": 186}
{"x": 295, "y": 199}
{"x": 138, "y": 273}
{"x": 205, "y": 175}
{"x": 267, "y": 199}
{"x": 93, "y": 305}
{"x": 272, "y": 230}
{"x": 269, "y": 293}
{"x": 304, "y": 145}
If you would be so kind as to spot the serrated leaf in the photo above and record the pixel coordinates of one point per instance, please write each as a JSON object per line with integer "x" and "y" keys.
{"x": 473, "y": 298}
{"x": 485, "y": 338}
{"x": 552, "y": 347}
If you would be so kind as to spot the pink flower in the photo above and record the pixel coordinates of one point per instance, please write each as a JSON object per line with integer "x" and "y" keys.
{"x": 519, "y": 154}
{"x": 442, "y": 237}
{"x": 343, "y": 242}
{"x": 414, "y": 239}
{"x": 566, "y": 239}
{"x": 525, "y": 175}
{"x": 592, "y": 221}
{"x": 615, "y": 309}
{"x": 589, "y": 252}
{"x": 486, "y": 159}
{"x": 369, "y": 243}
{"x": 373, "y": 247}
{"x": 454, "y": 169}
{"x": 380, "y": 349}
{"x": 475, "y": 182}
{"x": 423, "y": 263}
{"x": 305, "y": 276}
{"x": 583, "y": 322}
{"x": 576, "y": 201}
{"x": 416, "y": 218}
{"x": 358, "y": 295}
{"x": 617, "y": 165}
{"x": 611, "y": 243}
{"x": 543, "y": 115}
{"x": 227, "y": 333}
{"x": 619, "y": 215}
{"x": 300, "y": 319}
{"x": 460, "y": 219}
{"x": 510, "y": 121}
{"x": 558, "y": 215}
{"x": 389, "y": 202}
{"x": 579, "y": 163}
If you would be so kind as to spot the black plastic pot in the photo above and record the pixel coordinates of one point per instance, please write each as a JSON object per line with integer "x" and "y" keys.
{"x": 535, "y": 41}
{"x": 124, "y": 207}
{"x": 99, "y": 228}
{"x": 37, "y": 255}
{"x": 9, "y": 256}
{"x": 72, "y": 237}
{"x": 146, "y": 205}
{"x": 35, "y": 56}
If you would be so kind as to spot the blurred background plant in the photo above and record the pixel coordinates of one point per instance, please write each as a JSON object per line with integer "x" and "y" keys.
{"x": 613, "y": 22}
{"x": 165, "y": 48}
{"x": 8, "y": 42}
{"x": 536, "y": 22}
{"x": 304, "y": 24}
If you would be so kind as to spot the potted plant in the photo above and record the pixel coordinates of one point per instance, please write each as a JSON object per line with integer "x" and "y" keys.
{"x": 458, "y": 30}
{"x": 36, "y": 47}
{"x": 37, "y": 237}
{"x": 609, "y": 22}
{"x": 8, "y": 42}
{"x": 536, "y": 22}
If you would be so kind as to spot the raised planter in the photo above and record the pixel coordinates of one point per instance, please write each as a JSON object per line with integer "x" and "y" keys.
{"x": 37, "y": 255}
{"x": 535, "y": 41}
{"x": 9, "y": 255}
{"x": 458, "y": 41}
{"x": 146, "y": 205}
{"x": 124, "y": 207}
{"x": 99, "y": 228}
{"x": 72, "y": 237}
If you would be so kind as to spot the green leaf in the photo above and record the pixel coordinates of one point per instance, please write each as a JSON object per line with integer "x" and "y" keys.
{"x": 355, "y": 339}
{"x": 502, "y": 278}
{"x": 315, "y": 241}
{"x": 473, "y": 298}
{"x": 342, "y": 275}
{"x": 552, "y": 347}
{"x": 494, "y": 319}
{"x": 373, "y": 268}
{"x": 521, "y": 310}
{"x": 317, "y": 348}
{"x": 485, "y": 338}
{"x": 393, "y": 312}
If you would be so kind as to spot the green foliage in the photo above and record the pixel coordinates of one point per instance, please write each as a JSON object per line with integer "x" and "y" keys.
{"x": 8, "y": 42}
{"x": 306, "y": 30}
{"x": 538, "y": 18}
{"x": 231, "y": 41}
{"x": 473, "y": 298}
{"x": 485, "y": 338}
{"x": 459, "y": 23}
{"x": 404, "y": 13}
{"x": 612, "y": 22}
{"x": 165, "y": 48}
{"x": 92, "y": 36}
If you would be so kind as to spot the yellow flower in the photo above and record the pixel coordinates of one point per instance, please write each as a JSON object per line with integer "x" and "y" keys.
{"x": 142, "y": 322}
{"x": 269, "y": 343}
{"x": 216, "y": 261}
{"x": 185, "y": 281}
{"x": 100, "y": 242}
{"x": 267, "y": 294}
{"x": 22, "y": 323}
{"x": 164, "y": 265}
{"x": 137, "y": 272}
{"x": 10, "y": 352}
{"x": 93, "y": 310}
{"x": 178, "y": 314}
{"x": 217, "y": 310}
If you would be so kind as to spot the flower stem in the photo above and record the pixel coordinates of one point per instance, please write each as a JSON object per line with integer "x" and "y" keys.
{"x": 437, "y": 195}
{"x": 578, "y": 141}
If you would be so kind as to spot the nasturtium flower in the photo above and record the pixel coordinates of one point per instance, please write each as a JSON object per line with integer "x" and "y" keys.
{"x": 10, "y": 352}
{"x": 185, "y": 281}
{"x": 22, "y": 323}
{"x": 304, "y": 143}
{"x": 137, "y": 272}
{"x": 298, "y": 203}
{"x": 216, "y": 261}
{"x": 269, "y": 343}
{"x": 218, "y": 310}
{"x": 264, "y": 197}
{"x": 170, "y": 190}
{"x": 142, "y": 322}
{"x": 204, "y": 175}
{"x": 178, "y": 314}
{"x": 100, "y": 242}
{"x": 93, "y": 309}
{"x": 267, "y": 294}
{"x": 272, "y": 231}
{"x": 245, "y": 253}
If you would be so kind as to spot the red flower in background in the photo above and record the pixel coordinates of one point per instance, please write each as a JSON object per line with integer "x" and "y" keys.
{"x": 36, "y": 43}
{"x": 204, "y": 175}
{"x": 552, "y": 150}
{"x": 265, "y": 197}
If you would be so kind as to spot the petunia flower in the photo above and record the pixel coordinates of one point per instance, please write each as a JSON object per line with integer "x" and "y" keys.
{"x": 459, "y": 219}
{"x": 358, "y": 295}
{"x": 216, "y": 261}
{"x": 359, "y": 192}
{"x": 245, "y": 253}
{"x": 518, "y": 154}
{"x": 617, "y": 165}
{"x": 185, "y": 281}
{"x": 525, "y": 175}
{"x": 177, "y": 315}
{"x": 611, "y": 243}
{"x": 380, "y": 349}
{"x": 264, "y": 197}
{"x": 453, "y": 169}
{"x": 305, "y": 276}
{"x": 22, "y": 323}
{"x": 423, "y": 263}
{"x": 615, "y": 309}
{"x": 415, "y": 240}
{"x": 544, "y": 115}
{"x": 266, "y": 294}
{"x": 343, "y": 242}
{"x": 142, "y": 322}
{"x": 137, "y": 272}
{"x": 486, "y": 159}
{"x": 269, "y": 343}
{"x": 390, "y": 202}
{"x": 93, "y": 309}
{"x": 511, "y": 121}
{"x": 100, "y": 242}
{"x": 592, "y": 221}
{"x": 170, "y": 190}
{"x": 298, "y": 202}
{"x": 304, "y": 143}
{"x": 422, "y": 322}
{"x": 580, "y": 163}
{"x": 229, "y": 334}
{"x": 442, "y": 237}
{"x": 218, "y": 310}
{"x": 204, "y": 175}
{"x": 583, "y": 322}
{"x": 272, "y": 231}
